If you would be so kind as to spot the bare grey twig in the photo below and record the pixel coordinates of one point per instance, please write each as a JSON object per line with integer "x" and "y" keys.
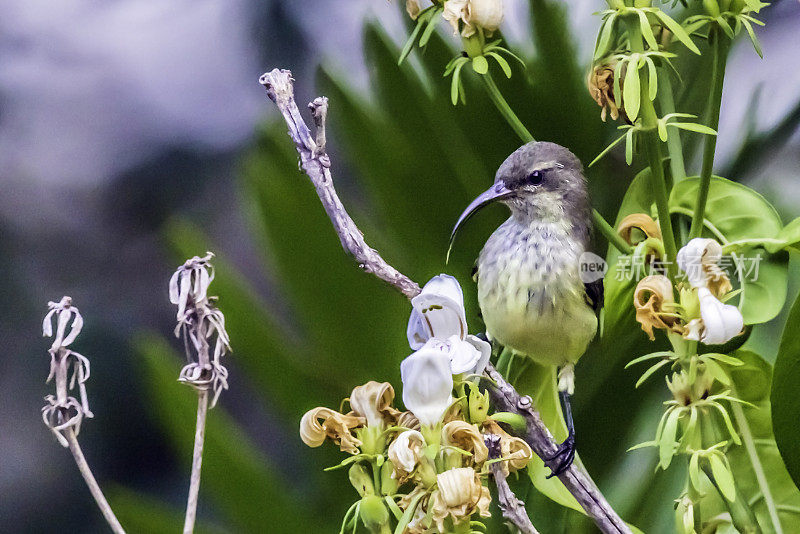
{"x": 316, "y": 165}
{"x": 513, "y": 509}
{"x": 575, "y": 479}
{"x": 94, "y": 487}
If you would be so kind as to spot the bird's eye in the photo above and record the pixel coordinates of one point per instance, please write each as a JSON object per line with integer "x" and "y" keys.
{"x": 535, "y": 178}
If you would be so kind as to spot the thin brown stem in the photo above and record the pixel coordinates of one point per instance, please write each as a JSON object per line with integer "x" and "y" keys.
{"x": 197, "y": 461}
{"x": 94, "y": 487}
{"x": 316, "y": 165}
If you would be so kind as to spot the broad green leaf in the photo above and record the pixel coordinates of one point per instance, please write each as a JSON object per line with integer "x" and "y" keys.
{"x": 757, "y": 467}
{"x": 788, "y": 237}
{"x": 539, "y": 381}
{"x": 785, "y": 395}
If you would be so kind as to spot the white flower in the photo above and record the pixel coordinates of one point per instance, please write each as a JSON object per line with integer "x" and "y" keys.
{"x": 718, "y": 322}
{"x": 721, "y": 322}
{"x": 405, "y": 453}
{"x": 453, "y": 12}
{"x": 697, "y": 253}
{"x": 486, "y": 14}
{"x": 439, "y": 314}
{"x": 427, "y": 382}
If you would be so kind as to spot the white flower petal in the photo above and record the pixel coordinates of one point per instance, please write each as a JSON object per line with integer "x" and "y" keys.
{"x": 485, "y": 350}
{"x": 721, "y": 321}
{"x": 416, "y": 332}
{"x": 441, "y": 307}
{"x": 427, "y": 382}
{"x": 692, "y": 257}
{"x": 405, "y": 450}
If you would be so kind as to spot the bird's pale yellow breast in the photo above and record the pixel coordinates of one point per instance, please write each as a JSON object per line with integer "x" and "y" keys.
{"x": 530, "y": 293}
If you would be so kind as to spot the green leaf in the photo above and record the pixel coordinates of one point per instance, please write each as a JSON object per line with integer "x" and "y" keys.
{"x": 677, "y": 30}
{"x": 693, "y": 127}
{"x": 694, "y": 471}
{"x": 502, "y": 62}
{"x": 785, "y": 398}
{"x": 723, "y": 477}
{"x": 788, "y": 237}
{"x": 647, "y": 31}
{"x": 629, "y": 146}
{"x": 760, "y": 473}
{"x": 539, "y": 381}
{"x": 753, "y": 38}
{"x": 650, "y": 371}
{"x": 652, "y": 78}
{"x": 410, "y": 42}
{"x": 604, "y": 39}
{"x": 666, "y": 445}
{"x": 455, "y": 83}
{"x": 480, "y": 65}
{"x": 426, "y": 35}
{"x": 607, "y": 149}
{"x": 631, "y": 95}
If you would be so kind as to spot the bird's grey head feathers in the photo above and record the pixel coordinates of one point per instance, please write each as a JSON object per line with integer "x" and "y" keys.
{"x": 539, "y": 181}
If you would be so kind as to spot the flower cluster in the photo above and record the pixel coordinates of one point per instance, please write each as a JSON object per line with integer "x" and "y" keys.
{"x": 428, "y": 464}
{"x": 700, "y": 313}
{"x": 199, "y": 323}
{"x": 63, "y": 411}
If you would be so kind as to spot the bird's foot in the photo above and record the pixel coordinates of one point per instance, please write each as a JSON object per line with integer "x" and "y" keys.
{"x": 563, "y": 457}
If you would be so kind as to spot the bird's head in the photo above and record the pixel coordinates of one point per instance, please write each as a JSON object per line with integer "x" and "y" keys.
{"x": 539, "y": 180}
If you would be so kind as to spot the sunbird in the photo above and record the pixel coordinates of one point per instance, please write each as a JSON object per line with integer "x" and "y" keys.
{"x": 532, "y": 297}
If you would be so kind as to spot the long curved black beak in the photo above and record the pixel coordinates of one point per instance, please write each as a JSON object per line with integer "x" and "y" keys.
{"x": 498, "y": 191}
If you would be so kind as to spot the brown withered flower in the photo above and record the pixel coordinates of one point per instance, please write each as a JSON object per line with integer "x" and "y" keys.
{"x": 654, "y": 302}
{"x": 601, "y": 87}
{"x": 322, "y": 423}
{"x": 641, "y": 222}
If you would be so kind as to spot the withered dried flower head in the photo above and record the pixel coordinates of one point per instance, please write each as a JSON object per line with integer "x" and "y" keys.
{"x": 322, "y": 423}
{"x": 459, "y": 495}
{"x": 601, "y": 87}
{"x": 654, "y": 302}
{"x": 641, "y": 222}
